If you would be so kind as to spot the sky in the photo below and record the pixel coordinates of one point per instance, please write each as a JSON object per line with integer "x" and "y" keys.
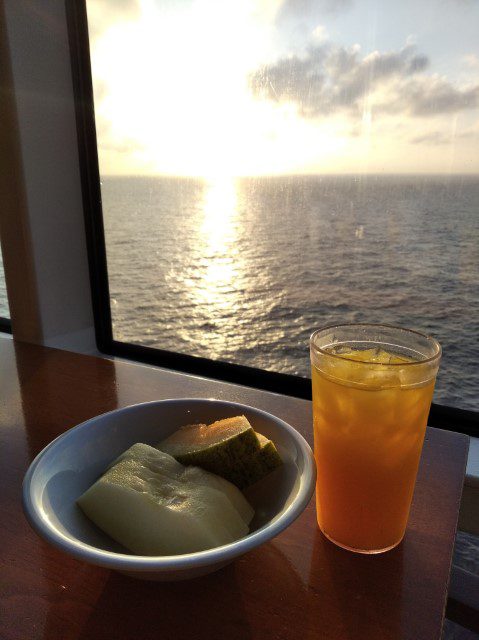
{"x": 221, "y": 88}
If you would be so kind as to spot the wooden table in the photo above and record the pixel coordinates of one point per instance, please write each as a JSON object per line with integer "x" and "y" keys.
{"x": 297, "y": 586}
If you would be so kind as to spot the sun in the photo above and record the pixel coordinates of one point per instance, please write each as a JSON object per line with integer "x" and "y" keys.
{"x": 178, "y": 97}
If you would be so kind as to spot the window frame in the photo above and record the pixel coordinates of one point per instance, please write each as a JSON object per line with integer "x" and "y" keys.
{"x": 441, "y": 416}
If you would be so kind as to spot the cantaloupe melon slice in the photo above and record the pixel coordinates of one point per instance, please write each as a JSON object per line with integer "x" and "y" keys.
{"x": 264, "y": 461}
{"x": 229, "y": 448}
{"x": 225, "y": 447}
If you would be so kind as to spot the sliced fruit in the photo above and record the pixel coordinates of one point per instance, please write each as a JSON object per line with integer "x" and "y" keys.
{"x": 262, "y": 462}
{"x": 151, "y": 513}
{"x": 165, "y": 464}
{"x": 265, "y": 460}
{"x": 225, "y": 447}
{"x": 153, "y": 458}
{"x": 234, "y": 495}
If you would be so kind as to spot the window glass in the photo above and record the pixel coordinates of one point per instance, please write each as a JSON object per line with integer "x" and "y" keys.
{"x": 271, "y": 167}
{"x": 4, "y": 310}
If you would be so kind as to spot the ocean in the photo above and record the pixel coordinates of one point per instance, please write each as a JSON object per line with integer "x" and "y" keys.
{"x": 242, "y": 270}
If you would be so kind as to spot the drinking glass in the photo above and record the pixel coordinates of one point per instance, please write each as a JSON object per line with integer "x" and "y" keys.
{"x": 372, "y": 391}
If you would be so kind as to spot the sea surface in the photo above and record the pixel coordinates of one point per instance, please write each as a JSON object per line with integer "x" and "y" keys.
{"x": 243, "y": 270}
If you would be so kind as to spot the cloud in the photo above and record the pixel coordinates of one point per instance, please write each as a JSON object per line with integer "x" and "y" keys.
{"x": 431, "y": 96}
{"x": 118, "y": 146}
{"x": 101, "y": 14}
{"x": 333, "y": 77}
{"x": 437, "y": 138}
{"x": 299, "y": 20}
{"x": 111, "y": 140}
{"x": 320, "y": 33}
{"x": 310, "y": 10}
{"x": 433, "y": 138}
{"x": 471, "y": 60}
{"x": 122, "y": 7}
{"x": 329, "y": 78}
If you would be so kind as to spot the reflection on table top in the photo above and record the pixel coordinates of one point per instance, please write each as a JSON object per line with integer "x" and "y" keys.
{"x": 297, "y": 586}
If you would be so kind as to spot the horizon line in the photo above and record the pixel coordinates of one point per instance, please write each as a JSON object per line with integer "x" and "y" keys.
{"x": 293, "y": 175}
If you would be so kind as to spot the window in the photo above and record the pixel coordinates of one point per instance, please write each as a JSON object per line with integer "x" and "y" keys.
{"x": 267, "y": 168}
{"x": 4, "y": 310}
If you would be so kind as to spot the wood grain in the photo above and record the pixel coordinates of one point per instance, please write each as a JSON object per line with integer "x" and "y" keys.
{"x": 297, "y": 586}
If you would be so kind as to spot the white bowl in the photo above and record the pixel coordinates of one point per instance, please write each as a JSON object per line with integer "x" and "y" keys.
{"x": 74, "y": 461}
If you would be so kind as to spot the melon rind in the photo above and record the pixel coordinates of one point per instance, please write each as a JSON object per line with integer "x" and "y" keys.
{"x": 242, "y": 457}
{"x": 264, "y": 461}
{"x": 229, "y": 457}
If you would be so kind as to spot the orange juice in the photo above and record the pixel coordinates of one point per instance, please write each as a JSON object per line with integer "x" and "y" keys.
{"x": 370, "y": 408}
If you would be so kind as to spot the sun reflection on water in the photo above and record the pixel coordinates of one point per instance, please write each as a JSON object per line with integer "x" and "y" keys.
{"x": 219, "y": 234}
{"x": 220, "y": 208}
{"x": 215, "y": 283}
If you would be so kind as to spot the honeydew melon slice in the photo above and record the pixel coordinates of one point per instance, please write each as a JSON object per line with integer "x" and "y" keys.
{"x": 224, "y": 447}
{"x": 152, "y": 514}
{"x": 163, "y": 463}
{"x": 153, "y": 458}
{"x": 234, "y": 495}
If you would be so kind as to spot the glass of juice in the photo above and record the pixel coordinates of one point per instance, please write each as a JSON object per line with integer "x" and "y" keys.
{"x": 372, "y": 390}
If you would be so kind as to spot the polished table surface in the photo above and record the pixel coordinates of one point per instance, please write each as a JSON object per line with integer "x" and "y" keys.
{"x": 297, "y": 586}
